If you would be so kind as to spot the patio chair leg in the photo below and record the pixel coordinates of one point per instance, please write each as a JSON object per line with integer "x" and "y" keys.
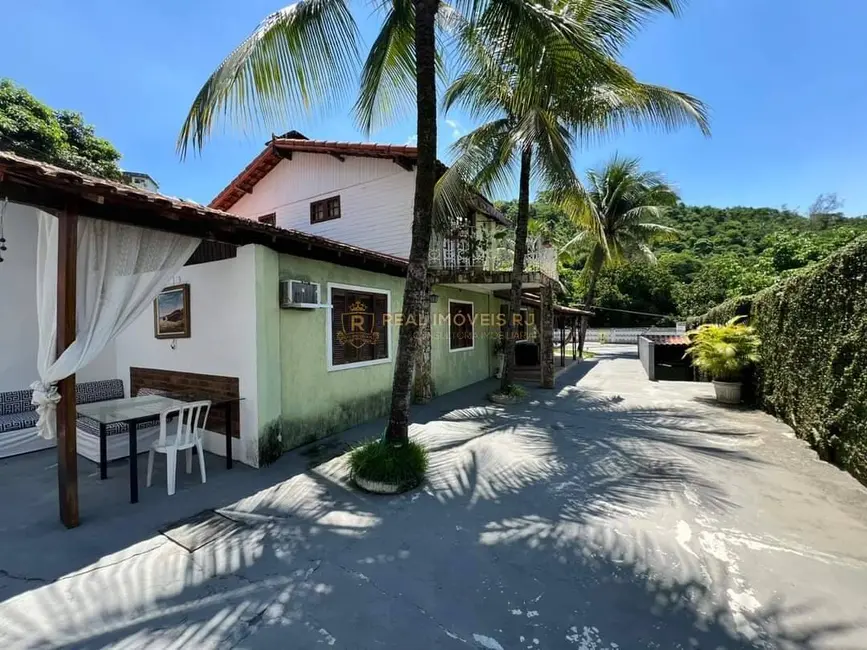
{"x": 171, "y": 469}
{"x": 189, "y": 460}
{"x": 201, "y": 455}
{"x": 150, "y": 466}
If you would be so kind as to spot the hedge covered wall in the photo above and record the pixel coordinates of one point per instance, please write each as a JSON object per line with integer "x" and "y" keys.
{"x": 813, "y": 372}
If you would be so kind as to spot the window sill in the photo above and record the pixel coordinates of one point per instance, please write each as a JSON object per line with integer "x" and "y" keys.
{"x": 358, "y": 364}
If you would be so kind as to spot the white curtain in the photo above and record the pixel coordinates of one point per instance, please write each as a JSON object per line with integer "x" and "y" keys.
{"x": 121, "y": 269}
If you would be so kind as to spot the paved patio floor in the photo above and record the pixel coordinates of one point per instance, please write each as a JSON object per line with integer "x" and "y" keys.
{"x": 610, "y": 513}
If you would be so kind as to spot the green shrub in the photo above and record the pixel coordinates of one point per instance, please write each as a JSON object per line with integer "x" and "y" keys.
{"x": 513, "y": 390}
{"x": 377, "y": 460}
{"x": 724, "y": 351}
{"x": 813, "y": 372}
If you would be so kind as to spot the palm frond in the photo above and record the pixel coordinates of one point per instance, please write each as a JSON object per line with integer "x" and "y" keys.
{"x": 302, "y": 55}
{"x": 388, "y": 75}
{"x": 487, "y": 156}
{"x": 603, "y": 109}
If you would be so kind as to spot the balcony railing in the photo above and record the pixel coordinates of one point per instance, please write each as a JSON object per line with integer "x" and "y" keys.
{"x": 466, "y": 254}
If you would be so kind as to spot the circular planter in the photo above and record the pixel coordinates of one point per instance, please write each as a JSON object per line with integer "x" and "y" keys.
{"x": 504, "y": 400}
{"x": 377, "y": 487}
{"x": 727, "y": 392}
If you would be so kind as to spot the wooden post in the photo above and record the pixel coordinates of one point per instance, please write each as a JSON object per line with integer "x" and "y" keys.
{"x": 574, "y": 338}
{"x": 67, "y": 457}
{"x": 547, "y": 336}
{"x": 562, "y": 341}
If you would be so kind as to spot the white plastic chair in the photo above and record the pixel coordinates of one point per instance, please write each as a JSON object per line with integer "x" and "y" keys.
{"x": 187, "y": 434}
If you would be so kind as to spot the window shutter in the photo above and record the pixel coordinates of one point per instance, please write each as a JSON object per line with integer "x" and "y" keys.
{"x": 456, "y": 327}
{"x": 338, "y": 308}
{"x": 376, "y": 306}
{"x": 460, "y": 332}
{"x": 380, "y": 307}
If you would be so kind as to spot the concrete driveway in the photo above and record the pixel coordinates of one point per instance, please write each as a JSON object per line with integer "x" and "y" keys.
{"x": 610, "y": 513}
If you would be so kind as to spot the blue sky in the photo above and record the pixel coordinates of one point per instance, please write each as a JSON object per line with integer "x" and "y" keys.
{"x": 785, "y": 80}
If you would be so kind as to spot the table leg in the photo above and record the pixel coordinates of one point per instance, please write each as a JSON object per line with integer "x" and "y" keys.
{"x": 228, "y": 415}
{"x": 133, "y": 461}
{"x": 103, "y": 453}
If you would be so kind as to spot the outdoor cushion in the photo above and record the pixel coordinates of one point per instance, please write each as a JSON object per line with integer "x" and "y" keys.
{"x": 15, "y": 401}
{"x": 18, "y": 421}
{"x": 98, "y": 391}
{"x": 91, "y": 426}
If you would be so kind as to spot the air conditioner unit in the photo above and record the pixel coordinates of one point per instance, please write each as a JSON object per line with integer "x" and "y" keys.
{"x": 298, "y": 294}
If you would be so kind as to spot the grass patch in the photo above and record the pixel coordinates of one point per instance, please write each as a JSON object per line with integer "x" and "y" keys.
{"x": 376, "y": 460}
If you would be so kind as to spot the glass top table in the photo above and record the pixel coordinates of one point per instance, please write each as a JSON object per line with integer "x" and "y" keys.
{"x": 132, "y": 411}
{"x": 145, "y": 407}
{"x": 136, "y": 410}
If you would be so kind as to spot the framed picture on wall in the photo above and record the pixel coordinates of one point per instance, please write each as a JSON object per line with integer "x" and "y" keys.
{"x": 172, "y": 313}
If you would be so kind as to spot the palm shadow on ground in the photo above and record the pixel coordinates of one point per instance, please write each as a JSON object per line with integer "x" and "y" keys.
{"x": 545, "y": 508}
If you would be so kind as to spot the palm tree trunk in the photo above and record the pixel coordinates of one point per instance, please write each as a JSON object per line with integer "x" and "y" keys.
{"x": 597, "y": 260}
{"x": 517, "y": 268}
{"x": 415, "y": 304}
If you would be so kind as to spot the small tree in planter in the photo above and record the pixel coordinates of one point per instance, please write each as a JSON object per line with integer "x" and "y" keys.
{"x": 722, "y": 352}
{"x": 384, "y": 468}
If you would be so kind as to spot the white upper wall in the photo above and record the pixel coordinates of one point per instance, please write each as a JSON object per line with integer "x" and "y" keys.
{"x": 376, "y": 198}
{"x": 19, "y": 337}
{"x": 222, "y": 341}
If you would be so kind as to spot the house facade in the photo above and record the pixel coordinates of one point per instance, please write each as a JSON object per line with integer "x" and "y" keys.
{"x": 362, "y": 194}
{"x": 331, "y": 221}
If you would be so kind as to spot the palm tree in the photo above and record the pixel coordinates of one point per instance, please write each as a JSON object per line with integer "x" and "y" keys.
{"x": 613, "y": 214}
{"x": 306, "y": 56}
{"x": 536, "y": 115}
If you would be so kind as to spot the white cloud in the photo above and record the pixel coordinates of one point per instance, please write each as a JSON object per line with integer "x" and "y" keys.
{"x": 457, "y": 129}
{"x": 412, "y": 140}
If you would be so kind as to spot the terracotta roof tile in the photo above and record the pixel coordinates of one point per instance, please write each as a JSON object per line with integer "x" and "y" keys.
{"x": 19, "y": 172}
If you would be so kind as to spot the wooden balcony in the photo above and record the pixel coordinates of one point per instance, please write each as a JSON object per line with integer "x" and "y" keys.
{"x": 464, "y": 260}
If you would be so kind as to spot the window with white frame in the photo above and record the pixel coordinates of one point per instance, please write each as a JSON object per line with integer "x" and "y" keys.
{"x": 460, "y": 325}
{"x": 358, "y": 327}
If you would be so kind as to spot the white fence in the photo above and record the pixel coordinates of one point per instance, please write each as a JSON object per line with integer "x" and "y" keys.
{"x": 628, "y": 334}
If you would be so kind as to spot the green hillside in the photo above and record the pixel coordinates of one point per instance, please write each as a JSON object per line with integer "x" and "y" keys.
{"x": 719, "y": 253}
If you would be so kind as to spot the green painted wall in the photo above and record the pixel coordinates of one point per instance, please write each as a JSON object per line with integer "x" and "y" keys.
{"x": 300, "y": 399}
{"x": 269, "y": 374}
{"x": 315, "y": 401}
{"x": 455, "y": 369}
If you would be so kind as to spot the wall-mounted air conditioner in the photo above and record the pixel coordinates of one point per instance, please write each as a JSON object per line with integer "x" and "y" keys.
{"x": 298, "y": 294}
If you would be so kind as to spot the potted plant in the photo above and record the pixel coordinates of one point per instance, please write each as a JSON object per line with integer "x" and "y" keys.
{"x": 722, "y": 352}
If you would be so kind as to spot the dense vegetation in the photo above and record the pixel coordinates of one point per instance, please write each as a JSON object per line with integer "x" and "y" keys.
{"x": 720, "y": 253}
{"x": 813, "y": 368}
{"x": 31, "y": 129}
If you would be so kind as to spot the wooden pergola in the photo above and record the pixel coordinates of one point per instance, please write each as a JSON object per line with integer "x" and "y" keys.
{"x": 68, "y": 195}
{"x": 564, "y": 318}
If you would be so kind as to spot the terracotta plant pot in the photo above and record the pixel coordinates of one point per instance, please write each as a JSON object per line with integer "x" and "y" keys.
{"x": 727, "y": 392}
